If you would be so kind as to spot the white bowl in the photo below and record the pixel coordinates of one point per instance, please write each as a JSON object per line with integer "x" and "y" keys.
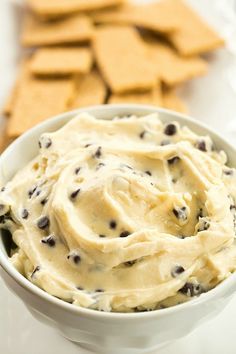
{"x": 102, "y": 332}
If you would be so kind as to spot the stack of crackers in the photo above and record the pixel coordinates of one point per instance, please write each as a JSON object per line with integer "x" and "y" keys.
{"x": 89, "y": 52}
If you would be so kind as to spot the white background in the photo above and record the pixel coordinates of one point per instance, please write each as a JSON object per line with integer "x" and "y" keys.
{"x": 211, "y": 99}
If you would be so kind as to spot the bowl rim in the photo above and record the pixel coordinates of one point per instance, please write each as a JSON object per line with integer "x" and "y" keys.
{"x": 91, "y": 313}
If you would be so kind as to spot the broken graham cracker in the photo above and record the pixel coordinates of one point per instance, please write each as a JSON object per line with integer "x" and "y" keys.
{"x": 51, "y": 8}
{"x": 61, "y": 61}
{"x": 153, "y": 97}
{"x": 154, "y": 16}
{"x": 173, "y": 102}
{"x": 90, "y": 90}
{"x": 75, "y": 29}
{"x": 193, "y": 36}
{"x": 172, "y": 68}
{"x": 121, "y": 57}
{"x": 37, "y": 99}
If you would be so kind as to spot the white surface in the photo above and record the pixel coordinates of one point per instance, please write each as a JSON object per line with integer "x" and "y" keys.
{"x": 213, "y": 100}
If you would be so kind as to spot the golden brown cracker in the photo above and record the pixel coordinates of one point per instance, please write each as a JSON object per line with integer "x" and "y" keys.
{"x": 37, "y": 99}
{"x": 154, "y": 17}
{"x": 75, "y": 29}
{"x": 90, "y": 90}
{"x": 153, "y": 97}
{"x": 172, "y": 68}
{"x": 173, "y": 102}
{"x": 49, "y": 8}
{"x": 193, "y": 36}
{"x": 121, "y": 57}
{"x": 61, "y": 61}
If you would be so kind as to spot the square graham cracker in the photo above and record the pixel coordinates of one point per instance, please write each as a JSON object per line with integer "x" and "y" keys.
{"x": 61, "y": 61}
{"x": 121, "y": 57}
{"x": 75, "y": 29}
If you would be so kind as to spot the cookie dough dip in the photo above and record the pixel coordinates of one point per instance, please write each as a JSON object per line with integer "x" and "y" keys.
{"x": 125, "y": 215}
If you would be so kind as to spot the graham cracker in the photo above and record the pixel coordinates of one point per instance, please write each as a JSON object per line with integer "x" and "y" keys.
{"x": 172, "y": 68}
{"x": 153, "y": 97}
{"x": 121, "y": 56}
{"x": 193, "y": 36}
{"x": 90, "y": 90}
{"x": 61, "y": 61}
{"x": 51, "y": 8}
{"x": 75, "y": 29}
{"x": 37, "y": 99}
{"x": 173, "y": 102}
{"x": 154, "y": 17}
{"x": 8, "y": 106}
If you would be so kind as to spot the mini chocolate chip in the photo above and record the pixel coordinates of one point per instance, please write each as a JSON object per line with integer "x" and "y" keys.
{"x": 87, "y": 145}
{"x": 76, "y": 258}
{"x": 164, "y": 142}
{"x": 232, "y": 207}
{"x": 191, "y": 289}
{"x": 101, "y": 164}
{"x": 24, "y": 214}
{"x": 75, "y": 193}
{"x": 228, "y": 172}
{"x": 201, "y": 145}
{"x": 102, "y": 236}
{"x": 180, "y": 213}
{"x": 124, "y": 233}
{"x": 43, "y": 222}
{"x": 128, "y": 166}
{"x": 31, "y": 191}
{"x": 36, "y": 269}
{"x": 49, "y": 240}
{"x": 200, "y": 213}
{"x": 99, "y": 290}
{"x": 148, "y": 173}
{"x": 77, "y": 170}
{"x": 170, "y": 129}
{"x": 177, "y": 270}
{"x": 204, "y": 225}
{"x": 44, "y": 201}
{"x": 80, "y": 288}
{"x": 48, "y": 143}
{"x": 98, "y": 152}
{"x": 130, "y": 263}
{"x": 40, "y": 145}
{"x": 173, "y": 160}
{"x": 174, "y": 180}
{"x": 38, "y": 192}
{"x": 3, "y": 189}
{"x": 112, "y": 224}
{"x": 141, "y": 135}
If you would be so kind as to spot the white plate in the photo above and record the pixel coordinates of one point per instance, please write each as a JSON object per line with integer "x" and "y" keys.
{"x": 211, "y": 99}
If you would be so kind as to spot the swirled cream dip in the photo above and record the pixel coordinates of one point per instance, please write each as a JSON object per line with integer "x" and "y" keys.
{"x": 124, "y": 215}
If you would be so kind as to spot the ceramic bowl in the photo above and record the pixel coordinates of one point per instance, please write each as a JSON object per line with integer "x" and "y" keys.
{"x": 102, "y": 332}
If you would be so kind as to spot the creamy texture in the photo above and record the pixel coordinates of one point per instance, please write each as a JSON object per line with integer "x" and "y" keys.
{"x": 123, "y": 215}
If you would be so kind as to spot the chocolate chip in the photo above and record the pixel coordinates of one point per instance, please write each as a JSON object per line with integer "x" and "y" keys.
{"x": 36, "y": 269}
{"x": 40, "y": 145}
{"x": 170, "y": 129}
{"x": 77, "y": 170}
{"x": 98, "y": 152}
{"x": 44, "y": 201}
{"x": 49, "y": 240}
{"x": 141, "y": 135}
{"x": 3, "y": 189}
{"x": 31, "y": 191}
{"x": 87, "y": 145}
{"x": 232, "y": 207}
{"x": 48, "y": 143}
{"x": 102, "y": 236}
{"x": 99, "y": 290}
{"x": 45, "y": 142}
{"x": 24, "y": 214}
{"x": 76, "y": 258}
{"x": 164, "y": 142}
{"x": 130, "y": 263}
{"x": 173, "y": 160}
{"x": 128, "y": 166}
{"x": 200, "y": 213}
{"x": 177, "y": 270}
{"x": 113, "y": 224}
{"x": 101, "y": 164}
{"x": 43, "y": 222}
{"x": 180, "y": 213}
{"x": 204, "y": 225}
{"x": 124, "y": 233}
{"x": 75, "y": 193}
{"x": 148, "y": 173}
{"x": 201, "y": 145}
{"x": 38, "y": 191}
{"x": 228, "y": 172}
{"x": 191, "y": 289}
